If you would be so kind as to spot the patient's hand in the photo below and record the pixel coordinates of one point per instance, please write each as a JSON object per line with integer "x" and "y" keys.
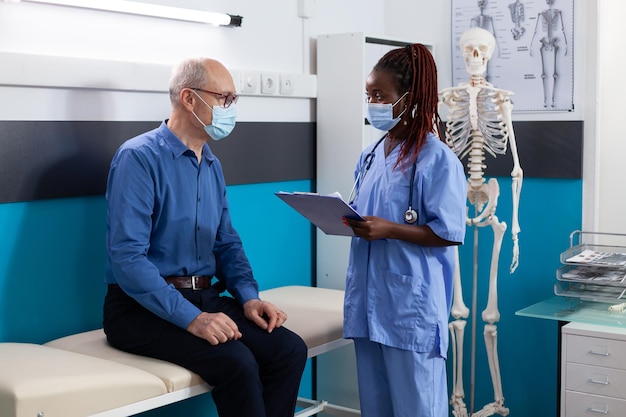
{"x": 265, "y": 314}
{"x": 215, "y": 328}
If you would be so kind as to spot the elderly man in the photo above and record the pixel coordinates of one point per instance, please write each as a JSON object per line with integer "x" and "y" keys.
{"x": 172, "y": 251}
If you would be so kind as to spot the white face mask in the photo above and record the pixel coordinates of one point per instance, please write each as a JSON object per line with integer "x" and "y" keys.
{"x": 223, "y": 120}
{"x": 381, "y": 115}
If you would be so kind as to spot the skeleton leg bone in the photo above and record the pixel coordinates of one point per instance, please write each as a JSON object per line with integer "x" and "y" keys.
{"x": 457, "y": 331}
{"x": 459, "y": 309}
{"x": 555, "y": 73}
{"x": 497, "y": 406}
{"x": 491, "y": 315}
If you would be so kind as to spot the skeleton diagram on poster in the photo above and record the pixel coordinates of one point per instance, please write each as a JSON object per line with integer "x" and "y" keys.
{"x": 534, "y": 54}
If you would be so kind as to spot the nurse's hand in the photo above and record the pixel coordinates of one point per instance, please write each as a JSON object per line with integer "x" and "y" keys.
{"x": 372, "y": 228}
{"x": 376, "y": 228}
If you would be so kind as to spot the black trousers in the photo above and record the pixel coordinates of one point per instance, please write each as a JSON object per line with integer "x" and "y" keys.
{"x": 257, "y": 375}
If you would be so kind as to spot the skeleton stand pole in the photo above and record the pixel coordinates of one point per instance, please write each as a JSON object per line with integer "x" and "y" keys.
{"x": 474, "y": 310}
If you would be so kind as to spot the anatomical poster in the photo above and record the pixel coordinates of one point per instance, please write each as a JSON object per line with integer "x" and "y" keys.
{"x": 534, "y": 52}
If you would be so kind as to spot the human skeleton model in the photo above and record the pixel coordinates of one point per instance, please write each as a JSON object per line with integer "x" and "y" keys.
{"x": 517, "y": 16}
{"x": 485, "y": 22}
{"x": 479, "y": 121}
{"x": 550, "y": 23}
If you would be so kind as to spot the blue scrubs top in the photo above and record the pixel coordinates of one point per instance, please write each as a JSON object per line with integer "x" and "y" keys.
{"x": 397, "y": 293}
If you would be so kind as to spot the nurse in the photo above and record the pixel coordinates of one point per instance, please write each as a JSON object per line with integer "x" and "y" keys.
{"x": 411, "y": 190}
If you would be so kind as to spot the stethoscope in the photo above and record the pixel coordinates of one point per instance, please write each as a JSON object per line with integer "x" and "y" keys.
{"x": 410, "y": 215}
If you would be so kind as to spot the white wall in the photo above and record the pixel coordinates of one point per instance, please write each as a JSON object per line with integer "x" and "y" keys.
{"x": 272, "y": 38}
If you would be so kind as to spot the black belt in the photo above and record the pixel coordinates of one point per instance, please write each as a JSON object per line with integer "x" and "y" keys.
{"x": 195, "y": 282}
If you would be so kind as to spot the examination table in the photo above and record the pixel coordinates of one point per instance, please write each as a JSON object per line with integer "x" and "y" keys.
{"x": 81, "y": 375}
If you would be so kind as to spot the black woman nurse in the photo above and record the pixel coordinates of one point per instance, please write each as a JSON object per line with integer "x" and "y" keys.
{"x": 411, "y": 191}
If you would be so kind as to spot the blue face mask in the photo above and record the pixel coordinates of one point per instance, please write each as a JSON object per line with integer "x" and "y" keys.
{"x": 223, "y": 120}
{"x": 381, "y": 115}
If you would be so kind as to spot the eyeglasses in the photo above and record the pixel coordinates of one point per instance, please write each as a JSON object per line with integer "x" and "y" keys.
{"x": 228, "y": 98}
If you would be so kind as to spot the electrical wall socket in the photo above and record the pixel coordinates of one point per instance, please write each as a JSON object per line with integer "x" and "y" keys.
{"x": 286, "y": 84}
{"x": 269, "y": 83}
{"x": 250, "y": 82}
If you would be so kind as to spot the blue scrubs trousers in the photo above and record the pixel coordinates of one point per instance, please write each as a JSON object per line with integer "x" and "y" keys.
{"x": 400, "y": 383}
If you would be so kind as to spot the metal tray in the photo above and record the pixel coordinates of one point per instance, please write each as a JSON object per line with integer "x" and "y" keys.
{"x": 615, "y": 277}
{"x": 586, "y": 254}
{"x": 595, "y": 255}
{"x": 590, "y": 292}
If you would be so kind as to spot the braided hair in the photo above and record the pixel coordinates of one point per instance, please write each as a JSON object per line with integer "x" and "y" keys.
{"x": 413, "y": 69}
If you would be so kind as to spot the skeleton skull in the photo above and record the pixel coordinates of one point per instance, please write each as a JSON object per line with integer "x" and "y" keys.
{"x": 477, "y": 45}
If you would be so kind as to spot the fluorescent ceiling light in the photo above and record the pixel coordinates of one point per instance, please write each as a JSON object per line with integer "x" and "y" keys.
{"x": 145, "y": 9}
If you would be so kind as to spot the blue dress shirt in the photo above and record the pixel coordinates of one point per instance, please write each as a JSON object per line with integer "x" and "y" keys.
{"x": 167, "y": 215}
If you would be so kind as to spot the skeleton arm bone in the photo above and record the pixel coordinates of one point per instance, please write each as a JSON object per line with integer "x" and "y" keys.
{"x": 563, "y": 30}
{"x": 532, "y": 40}
{"x": 517, "y": 176}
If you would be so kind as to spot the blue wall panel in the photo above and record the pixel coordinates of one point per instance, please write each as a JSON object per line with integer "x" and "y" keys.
{"x": 51, "y": 268}
{"x": 52, "y": 258}
{"x": 277, "y": 240}
{"x": 550, "y": 209}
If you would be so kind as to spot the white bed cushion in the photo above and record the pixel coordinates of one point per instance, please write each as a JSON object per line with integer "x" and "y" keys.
{"x": 58, "y": 383}
{"x": 94, "y": 343}
{"x": 316, "y": 314}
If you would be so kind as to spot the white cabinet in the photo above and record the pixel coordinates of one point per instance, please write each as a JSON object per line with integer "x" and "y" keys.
{"x": 593, "y": 370}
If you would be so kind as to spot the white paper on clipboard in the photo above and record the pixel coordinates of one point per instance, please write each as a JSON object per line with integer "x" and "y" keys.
{"x": 324, "y": 211}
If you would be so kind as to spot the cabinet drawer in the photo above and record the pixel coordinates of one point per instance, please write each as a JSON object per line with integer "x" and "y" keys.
{"x": 609, "y": 353}
{"x": 596, "y": 380}
{"x": 587, "y": 405}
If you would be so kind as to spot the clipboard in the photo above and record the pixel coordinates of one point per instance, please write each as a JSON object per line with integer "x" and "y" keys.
{"x": 324, "y": 211}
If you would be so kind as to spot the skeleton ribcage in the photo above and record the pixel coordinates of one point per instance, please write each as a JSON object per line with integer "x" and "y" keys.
{"x": 487, "y": 120}
{"x": 550, "y": 21}
{"x": 517, "y": 12}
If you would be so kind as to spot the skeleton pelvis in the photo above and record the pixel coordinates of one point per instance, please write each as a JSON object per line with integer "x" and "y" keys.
{"x": 487, "y": 194}
{"x": 478, "y": 197}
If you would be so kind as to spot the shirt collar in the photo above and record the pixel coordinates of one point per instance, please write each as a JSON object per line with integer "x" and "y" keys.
{"x": 177, "y": 147}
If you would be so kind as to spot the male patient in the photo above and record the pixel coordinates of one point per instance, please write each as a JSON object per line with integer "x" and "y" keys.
{"x": 172, "y": 250}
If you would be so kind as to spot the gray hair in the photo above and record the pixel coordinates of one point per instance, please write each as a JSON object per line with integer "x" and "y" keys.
{"x": 190, "y": 73}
